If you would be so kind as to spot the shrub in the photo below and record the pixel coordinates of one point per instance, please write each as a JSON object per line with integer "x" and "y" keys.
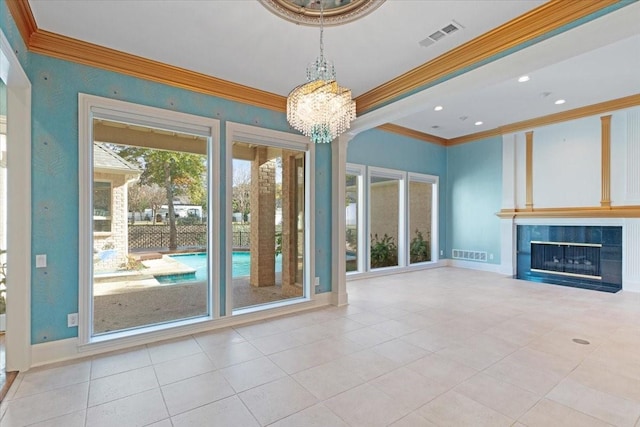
{"x": 420, "y": 249}
{"x": 384, "y": 251}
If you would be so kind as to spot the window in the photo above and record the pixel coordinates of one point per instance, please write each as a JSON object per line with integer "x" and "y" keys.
{"x": 270, "y": 223}
{"x": 354, "y": 197}
{"x": 386, "y": 218}
{"x": 101, "y": 207}
{"x": 146, "y": 227}
{"x": 401, "y": 211}
{"x": 421, "y": 213}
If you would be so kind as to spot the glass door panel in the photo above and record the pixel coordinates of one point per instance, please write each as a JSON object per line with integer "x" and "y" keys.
{"x": 384, "y": 203}
{"x": 420, "y": 212}
{"x": 150, "y": 243}
{"x": 268, "y": 224}
{"x": 352, "y": 221}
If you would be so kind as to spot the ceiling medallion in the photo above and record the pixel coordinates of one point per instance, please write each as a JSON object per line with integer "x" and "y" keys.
{"x": 307, "y": 12}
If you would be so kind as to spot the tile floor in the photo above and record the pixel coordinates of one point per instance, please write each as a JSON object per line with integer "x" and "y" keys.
{"x": 443, "y": 347}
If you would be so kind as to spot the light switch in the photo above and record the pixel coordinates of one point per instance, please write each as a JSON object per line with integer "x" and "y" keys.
{"x": 41, "y": 261}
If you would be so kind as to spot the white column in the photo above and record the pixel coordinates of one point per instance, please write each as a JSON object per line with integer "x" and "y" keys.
{"x": 631, "y": 255}
{"x": 339, "y": 295}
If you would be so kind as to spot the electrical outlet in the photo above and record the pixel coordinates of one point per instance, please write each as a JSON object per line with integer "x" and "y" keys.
{"x": 72, "y": 320}
{"x": 441, "y": 253}
{"x": 316, "y": 282}
{"x": 490, "y": 256}
{"x": 41, "y": 261}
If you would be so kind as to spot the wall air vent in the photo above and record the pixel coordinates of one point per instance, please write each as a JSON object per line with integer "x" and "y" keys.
{"x": 477, "y": 256}
{"x": 447, "y": 30}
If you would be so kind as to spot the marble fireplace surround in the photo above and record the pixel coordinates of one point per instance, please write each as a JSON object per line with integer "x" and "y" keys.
{"x": 630, "y": 243}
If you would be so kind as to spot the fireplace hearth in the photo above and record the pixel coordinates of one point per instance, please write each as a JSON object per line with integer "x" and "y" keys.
{"x": 580, "y": 256}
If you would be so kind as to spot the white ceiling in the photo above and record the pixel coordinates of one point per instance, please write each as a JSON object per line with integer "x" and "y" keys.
{"x": 242, "y": 42}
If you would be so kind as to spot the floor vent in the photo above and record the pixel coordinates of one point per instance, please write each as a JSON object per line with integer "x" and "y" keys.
{"x": 469, "y": 255}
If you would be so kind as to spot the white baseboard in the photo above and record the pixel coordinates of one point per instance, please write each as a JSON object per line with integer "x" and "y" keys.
{"x": 492, "y": 268}
{"x": 397, "y": 270}
{"x": 69, "y": 349}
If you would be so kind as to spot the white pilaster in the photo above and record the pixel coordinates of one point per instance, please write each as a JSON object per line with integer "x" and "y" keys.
{"x": 339, "y": 295}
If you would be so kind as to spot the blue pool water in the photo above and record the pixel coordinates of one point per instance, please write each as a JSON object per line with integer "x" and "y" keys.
{"x": 240, "y": 263}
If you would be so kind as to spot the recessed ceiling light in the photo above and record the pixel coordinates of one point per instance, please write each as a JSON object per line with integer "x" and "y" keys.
{"x": 438, "y": 108}
{"x": 478, "y": 123}
{"x": 523, "y": 79}
{"x": 560, "y": 101}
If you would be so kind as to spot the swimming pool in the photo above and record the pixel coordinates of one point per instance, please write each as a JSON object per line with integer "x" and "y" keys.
{"x": 240, "y": 263}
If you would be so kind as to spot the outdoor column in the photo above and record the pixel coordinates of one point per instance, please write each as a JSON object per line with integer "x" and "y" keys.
{"x": 263, "y": 213}
{"x": 289, "y": 226}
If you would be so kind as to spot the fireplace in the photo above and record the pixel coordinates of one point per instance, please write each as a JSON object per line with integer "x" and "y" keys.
{"x": 580, "y": 256}
{"x": 566, "y": 259}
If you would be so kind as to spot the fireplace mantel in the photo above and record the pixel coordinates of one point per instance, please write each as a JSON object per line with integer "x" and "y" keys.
{"x": 576, "y": 212}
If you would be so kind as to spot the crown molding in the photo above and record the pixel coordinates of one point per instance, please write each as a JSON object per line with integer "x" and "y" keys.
{"x": 576, "y": 113}
{"x": 23, "y": 17}
{"x": 62, "y": 47}
{"x": 536, "y": 23}
{"x": 400, "y": 130}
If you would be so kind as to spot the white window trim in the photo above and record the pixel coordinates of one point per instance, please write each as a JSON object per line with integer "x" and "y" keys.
{"x": 433, "y": 180}
{"x": 237, "y": 132}
{"x": 18, "y": 333}
{"x": 111, "y": 109}
{"x": 360, "y": 171}
{"x": 401, "y": 176}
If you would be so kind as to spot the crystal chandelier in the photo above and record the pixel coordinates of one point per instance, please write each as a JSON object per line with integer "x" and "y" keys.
{"x": 321, "y": 109}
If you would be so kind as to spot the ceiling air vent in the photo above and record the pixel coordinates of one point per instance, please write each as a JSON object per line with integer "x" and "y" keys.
{"x": 448, "y": 29}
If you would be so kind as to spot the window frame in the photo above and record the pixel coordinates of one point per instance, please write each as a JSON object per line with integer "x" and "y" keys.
{"x": 91, "y": 107}
{"x": 404, "y": 259}
{"x": 427, "y": 179}
{"x": 360, "y": 171}
{"x": 237, "y": 132}
{"x": 401, "y": 176}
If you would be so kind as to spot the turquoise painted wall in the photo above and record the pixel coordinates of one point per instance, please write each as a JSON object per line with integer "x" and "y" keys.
{"x": 55, "y": 88}
{"x": 389, "y": 150}
{"x": 474, "y": 196}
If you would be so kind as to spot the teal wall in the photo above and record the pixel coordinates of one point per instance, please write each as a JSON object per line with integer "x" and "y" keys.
{"x": 469, "y": 174}
{"x": 55, "y": 88}
{"x": 389, "y": 150}
{"x": 474, "y": 177}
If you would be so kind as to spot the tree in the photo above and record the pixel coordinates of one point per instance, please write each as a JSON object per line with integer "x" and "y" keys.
{"x": 137, "y": 200}
{"x": 176, "y": 172}
{"x": 142, "y": 197}
{"x": 242, "y": 191}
